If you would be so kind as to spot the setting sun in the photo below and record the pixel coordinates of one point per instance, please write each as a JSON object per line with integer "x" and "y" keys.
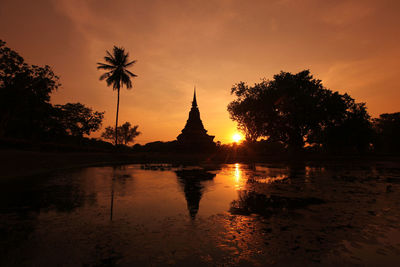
{"x": 237, "y": 137}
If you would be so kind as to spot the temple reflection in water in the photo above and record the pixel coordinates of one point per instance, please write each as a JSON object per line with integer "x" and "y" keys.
{"x": 193, "y": 188}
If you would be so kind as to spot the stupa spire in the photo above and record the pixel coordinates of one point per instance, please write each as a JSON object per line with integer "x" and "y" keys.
{"x": 194, "y": 103}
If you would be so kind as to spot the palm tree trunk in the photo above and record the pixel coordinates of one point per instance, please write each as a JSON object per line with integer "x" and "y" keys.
{"x": 116, "y": 121}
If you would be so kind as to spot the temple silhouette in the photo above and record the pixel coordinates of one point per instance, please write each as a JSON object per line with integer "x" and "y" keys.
{"x": 194, "y": 136}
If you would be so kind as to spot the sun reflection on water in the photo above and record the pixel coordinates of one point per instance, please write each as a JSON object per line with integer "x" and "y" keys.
{"x": 238, "y": 176}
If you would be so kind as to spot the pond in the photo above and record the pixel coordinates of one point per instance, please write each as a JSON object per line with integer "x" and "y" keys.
{"x": 232, "y": 214}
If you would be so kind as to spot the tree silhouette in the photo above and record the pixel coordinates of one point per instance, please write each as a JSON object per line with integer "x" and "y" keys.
{"x": 117, "y": 74}
{"x": 77, "y": 119}
{"x": 296, "y": 109}
{"x": 25, "y": 109}
{"x": 126, "y": 135}
{"x": 387, "y": 128}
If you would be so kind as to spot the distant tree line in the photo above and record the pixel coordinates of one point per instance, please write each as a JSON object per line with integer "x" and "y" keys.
{"x": 295, "y": 112}
{"x": 27, "y": 114}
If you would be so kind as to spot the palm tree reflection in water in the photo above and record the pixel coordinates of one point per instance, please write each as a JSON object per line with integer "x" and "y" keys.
{"x": 118, "y": 174}
{"x": 112, "y": 195}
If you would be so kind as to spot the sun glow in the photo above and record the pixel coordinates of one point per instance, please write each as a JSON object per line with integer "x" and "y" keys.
{"x": 237, "y": 137}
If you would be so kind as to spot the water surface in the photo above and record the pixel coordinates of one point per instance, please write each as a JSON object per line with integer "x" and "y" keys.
{"x": 236, "y": 214}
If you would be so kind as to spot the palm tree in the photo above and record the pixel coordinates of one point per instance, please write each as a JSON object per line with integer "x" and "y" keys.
{"x": 117, "y": 74}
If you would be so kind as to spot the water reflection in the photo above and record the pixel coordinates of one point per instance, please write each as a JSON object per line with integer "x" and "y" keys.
{"x": 112, "y": 194}
{"x": 237, "y": 172}
{"x": 119, "y": 175}
{"x": 238, "y": 175}
{"x": 192, "y": 182}
{"x": 36, "y": 194}
{"x": 251, "y": 202}
{"x": 24, "y": 200}
{"x": 249, "y": 215}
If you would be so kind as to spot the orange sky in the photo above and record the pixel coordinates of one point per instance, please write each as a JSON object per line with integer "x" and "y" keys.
{"x": 352, "y": 46}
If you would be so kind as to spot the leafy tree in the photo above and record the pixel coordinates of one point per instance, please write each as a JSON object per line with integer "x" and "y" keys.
{"x": 77, "y": 120}
{"x": 244, "y": 110}
{"x": 126, "y": 134}
{"x": 109, "y": 134}
{"x": 387, "y": 128}
{"x": 117, "y": 74}
{"x": 25, "y": 109}
{"x": 353, "y": 131}
{"x": 295, "y": 109}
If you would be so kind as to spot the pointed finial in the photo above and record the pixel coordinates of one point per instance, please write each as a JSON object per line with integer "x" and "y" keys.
{"x": 194, "y": 103}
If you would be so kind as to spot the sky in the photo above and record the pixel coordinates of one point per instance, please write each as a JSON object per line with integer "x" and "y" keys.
{"x": 352, "y": 46}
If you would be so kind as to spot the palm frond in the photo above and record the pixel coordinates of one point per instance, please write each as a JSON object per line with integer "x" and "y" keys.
{"x": 125, "y": 58}
{"x": 110, "y": 55}
{"x": 110, "y": 60}
{"x": 111, "y": 82}
{"x": 126, "y": 80}
{"x": 116, "y": 64}
{"x": 130, "y": 73}
{"x": 130, "y": 63}
{"x": 103, "y": 66}
{"x": 104, "y": 75}
{"x": 118, "y": 53}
